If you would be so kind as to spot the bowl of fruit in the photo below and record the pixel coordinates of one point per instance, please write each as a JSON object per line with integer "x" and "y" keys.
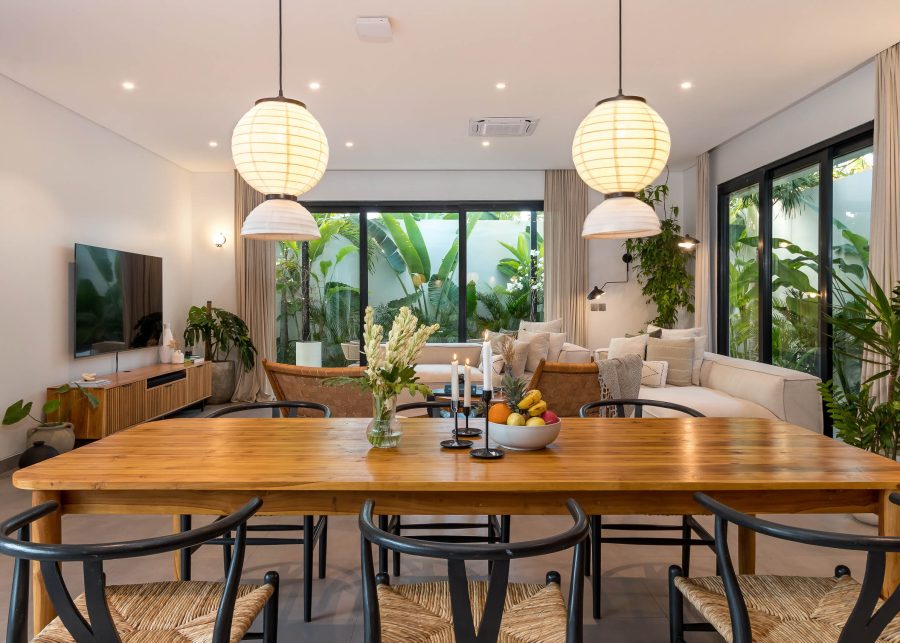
{"x": 523, "y": 421}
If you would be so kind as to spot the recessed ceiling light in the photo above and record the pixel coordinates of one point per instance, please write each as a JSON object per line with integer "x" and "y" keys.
{"x": 348, "y": 144}
{"x": 214, "y": 144}
{"x": 485, "y": 143}
{"x": 314, "y": 85}
{"x": 500, "y": 85}
{"x": 687, "y": 84}
{"x": 128, "y": 85}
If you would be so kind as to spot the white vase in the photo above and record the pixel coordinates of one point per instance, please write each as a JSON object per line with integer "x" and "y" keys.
{"x": 165, "y": 349}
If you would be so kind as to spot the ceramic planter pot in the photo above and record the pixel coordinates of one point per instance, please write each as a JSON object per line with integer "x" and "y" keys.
{"x": 223, "y": 382}
{"x": 60, "y": 436}
{"x": 37, "y": 452}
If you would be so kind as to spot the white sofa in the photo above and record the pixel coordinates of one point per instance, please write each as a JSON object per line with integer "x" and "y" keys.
{"x": 731, "y": 387}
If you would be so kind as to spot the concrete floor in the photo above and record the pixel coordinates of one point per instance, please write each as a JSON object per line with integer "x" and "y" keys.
{"x": 634, "y": 578}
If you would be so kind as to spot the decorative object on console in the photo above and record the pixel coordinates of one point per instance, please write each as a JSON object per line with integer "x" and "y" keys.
{"x": 678, "y": 353}
{"x": 221, "y": 332}
{"x": 165, "y": 344}
{"x": 662, "y": 266}
{"x": 620, "y": 147}
{"x": 280, "y": 149}
{"x": 390, "y": 371}
{"x": 596, "y": 292}
{"x": 56, "y": 432}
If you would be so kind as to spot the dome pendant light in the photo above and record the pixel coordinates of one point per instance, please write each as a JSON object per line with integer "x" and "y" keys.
{"x": 280, "y": 149}
{"x": 619, "y": 149}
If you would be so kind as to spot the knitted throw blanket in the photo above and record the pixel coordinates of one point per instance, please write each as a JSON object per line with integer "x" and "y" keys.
{"x": 620, "y": 378}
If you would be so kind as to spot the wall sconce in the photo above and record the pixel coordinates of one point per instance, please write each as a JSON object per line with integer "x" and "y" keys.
{"x": 219, "y": 239}
{"x": 688, "y": 242}
{"x": 596, "y": 292}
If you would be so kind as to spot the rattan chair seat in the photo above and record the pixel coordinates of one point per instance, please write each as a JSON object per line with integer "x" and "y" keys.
{"x": 175, "y": 612}
{"x": 421, "y": 613}
{"x": 782, "y": 609}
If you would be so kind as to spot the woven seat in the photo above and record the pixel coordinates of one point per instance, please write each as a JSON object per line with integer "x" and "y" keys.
{"x": 420, "y": 612}
{"x": 782, "y": 609}
{"x": 176, "y": 612}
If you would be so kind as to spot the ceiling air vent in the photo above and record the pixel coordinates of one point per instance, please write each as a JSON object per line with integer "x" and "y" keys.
{"x": 502, "y": 126}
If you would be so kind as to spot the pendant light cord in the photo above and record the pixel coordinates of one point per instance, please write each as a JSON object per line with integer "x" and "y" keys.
{"x": 281, "y": 53}
{"x": 620, "y": 47}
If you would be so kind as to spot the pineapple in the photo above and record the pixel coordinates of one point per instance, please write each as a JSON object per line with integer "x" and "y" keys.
{"x": 514, "y": 390}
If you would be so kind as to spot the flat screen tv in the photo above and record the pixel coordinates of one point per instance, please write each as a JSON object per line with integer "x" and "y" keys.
{"x": 118, "y": 300}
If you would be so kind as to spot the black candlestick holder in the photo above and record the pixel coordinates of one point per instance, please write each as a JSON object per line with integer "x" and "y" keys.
{"x": 456, "y": 443}
{"x": 468, "y": 432}
{"x": 487, "y": 453}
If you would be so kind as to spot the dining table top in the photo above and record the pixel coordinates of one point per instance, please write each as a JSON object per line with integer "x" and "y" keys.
{"x": 590, "y": 454}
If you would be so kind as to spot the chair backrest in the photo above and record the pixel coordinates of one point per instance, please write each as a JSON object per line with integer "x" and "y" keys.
{"x": 291, "y": 382}
{"x": 456, "y": 555}
{"x": 286, "y": 408}
{"x": 569, "y": 386}
{"x": 99, "y": 627}
{"x": 866, "y": 621}
{"x": 638, "y": 404}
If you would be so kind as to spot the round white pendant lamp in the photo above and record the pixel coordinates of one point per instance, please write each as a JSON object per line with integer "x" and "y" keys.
{"x": 281, "y": 150}
{"x": 620, "y": 148}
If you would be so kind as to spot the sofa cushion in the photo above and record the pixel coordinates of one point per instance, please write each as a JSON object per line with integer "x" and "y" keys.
{"x": 709, "y": 402}
{"x": 574, "y": 354}
{"x": 700, "y": 341}
{"x": 653, "y": 374}
{"x": 621, "y": 346}
{"x": 557, "y": 341}
{"x": 538, "y": 348}
{"x": 554, "y": 326}
{"x": 679, "y": 353}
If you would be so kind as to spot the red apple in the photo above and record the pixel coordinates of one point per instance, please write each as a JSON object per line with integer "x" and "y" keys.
{"x": 549, "y": 417}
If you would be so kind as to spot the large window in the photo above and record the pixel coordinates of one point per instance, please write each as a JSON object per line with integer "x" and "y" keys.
{"x": 787, "y": 230}
{"x": 416, "y": 255}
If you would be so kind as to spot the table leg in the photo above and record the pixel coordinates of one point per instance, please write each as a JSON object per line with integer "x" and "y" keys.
{"x": 746, "y": 551}
{"x": 889, "y": 525}
{"x": 47, "y": 530}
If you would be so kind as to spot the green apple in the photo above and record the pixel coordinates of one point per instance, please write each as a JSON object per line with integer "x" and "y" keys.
{"x": 515, "y": 419}
{"x": 536, "y": 421}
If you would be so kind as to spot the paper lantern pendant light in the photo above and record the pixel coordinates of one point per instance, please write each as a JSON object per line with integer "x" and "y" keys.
{"x": 620, "y": 148}
{"x": 281, "y": 150}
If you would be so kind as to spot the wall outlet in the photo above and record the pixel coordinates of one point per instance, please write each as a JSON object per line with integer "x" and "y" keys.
{"x": 598, "y": 308}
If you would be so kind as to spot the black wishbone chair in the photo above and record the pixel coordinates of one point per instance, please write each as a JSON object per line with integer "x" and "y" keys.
{"x": 788, "y": 609}
{"x": 313, "y": 532}
{"x": 169, "y": 611}
{"x": 537, "y": 611}
{"x": 497, "y": 528}
{"x": 688, "y": 527}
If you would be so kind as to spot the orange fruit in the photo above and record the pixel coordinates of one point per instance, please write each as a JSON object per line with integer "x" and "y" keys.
{"x": 498, "y": 413}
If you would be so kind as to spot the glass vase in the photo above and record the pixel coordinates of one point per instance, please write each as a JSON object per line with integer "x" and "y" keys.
{"x": 384, "y": 429}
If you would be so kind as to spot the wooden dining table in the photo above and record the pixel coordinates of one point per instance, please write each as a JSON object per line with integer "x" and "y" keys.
{"x": 326, "y": 466}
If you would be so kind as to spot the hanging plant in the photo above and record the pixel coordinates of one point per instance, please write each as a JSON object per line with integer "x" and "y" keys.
{"x": 660, "y": 265}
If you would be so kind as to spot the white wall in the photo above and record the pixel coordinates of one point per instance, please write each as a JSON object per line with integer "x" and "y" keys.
{"x": 64, "y": 179}
{"x": 213, "y": 277}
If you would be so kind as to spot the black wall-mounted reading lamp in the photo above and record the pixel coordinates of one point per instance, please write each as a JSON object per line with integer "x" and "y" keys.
{"x": 688, "y": 242}
{"x": 596, "y": 293}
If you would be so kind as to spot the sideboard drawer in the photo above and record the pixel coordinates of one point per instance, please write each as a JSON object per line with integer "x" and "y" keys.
{"x": 166, "y": 398}
{"x": 126, "y": 407}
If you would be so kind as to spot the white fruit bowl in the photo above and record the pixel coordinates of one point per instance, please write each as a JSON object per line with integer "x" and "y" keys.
{"x": 524, "y": 438}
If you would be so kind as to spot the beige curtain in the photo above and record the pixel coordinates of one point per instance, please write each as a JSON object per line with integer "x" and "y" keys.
{"x": 702, "y": 284}
{"x": 565, "y": 252}
{"x": 884, "y": 255}
{"x": 255, "y": 277}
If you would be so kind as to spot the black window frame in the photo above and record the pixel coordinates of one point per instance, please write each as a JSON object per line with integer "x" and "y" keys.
{"x": 461, "y": 207}
{"x": 822, "y": 154}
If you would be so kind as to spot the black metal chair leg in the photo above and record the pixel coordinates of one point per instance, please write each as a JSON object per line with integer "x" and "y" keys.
{"x": 396, "y": 554}
{"x": 382, "y": 552}
{"x": 505, "y": 528}
{"x": 596, "y": 522}
{"x": 686, "y": 534}
{"x": 587, "y": 556}
{"x": 226, "y": 554}
{"x": 323, "y": 546}
{"x": 270, "y": 611}
{"x": 676, "y": 607}
{"x": 184, "y": 524}
{"x": 308, "y": 542}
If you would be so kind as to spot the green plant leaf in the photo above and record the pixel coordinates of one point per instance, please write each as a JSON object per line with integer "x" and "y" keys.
{"x": 51, "y": 406}
{"x": 16, "y": 412}
{"x": 418, "y": 242}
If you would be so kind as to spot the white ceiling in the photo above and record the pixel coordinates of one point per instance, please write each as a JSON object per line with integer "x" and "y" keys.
{"x": 199, "y": 64}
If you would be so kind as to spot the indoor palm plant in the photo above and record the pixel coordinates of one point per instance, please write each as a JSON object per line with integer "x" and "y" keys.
{"x": 221, "y": 332}
{"x": 390, "y": 370}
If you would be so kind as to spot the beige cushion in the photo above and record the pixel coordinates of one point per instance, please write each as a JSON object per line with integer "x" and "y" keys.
{"x": 653, "y": 374}
{"x": 709, "y": 402}
{"x": 538, "y": 347}
{"x": 679, "y": 353}
{"x": 554, "y": 326}
{"x": 496, "y": 339}
{"x": 574, "y": 354}
{"x": 621, "y": 346}
{"x": 680, "y": 333}
{"x": 520, "y": 357}
{"x": 557, "y": 341}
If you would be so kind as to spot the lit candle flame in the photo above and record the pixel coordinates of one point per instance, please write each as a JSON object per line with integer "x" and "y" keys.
{"x": 454, "y": 357}
{"x": 467, "y": 361}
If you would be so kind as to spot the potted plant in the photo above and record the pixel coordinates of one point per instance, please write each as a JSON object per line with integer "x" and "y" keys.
{"x": 49, "y": 437}
{"x": 221, "y": 332}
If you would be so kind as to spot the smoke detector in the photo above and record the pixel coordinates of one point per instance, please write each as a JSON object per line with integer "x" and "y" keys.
{"x": 497, "y": 126}
{"x": 377, "y": 28}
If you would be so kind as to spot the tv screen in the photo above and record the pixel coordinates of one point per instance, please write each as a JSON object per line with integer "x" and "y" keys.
{"x": 118, "y": 300}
